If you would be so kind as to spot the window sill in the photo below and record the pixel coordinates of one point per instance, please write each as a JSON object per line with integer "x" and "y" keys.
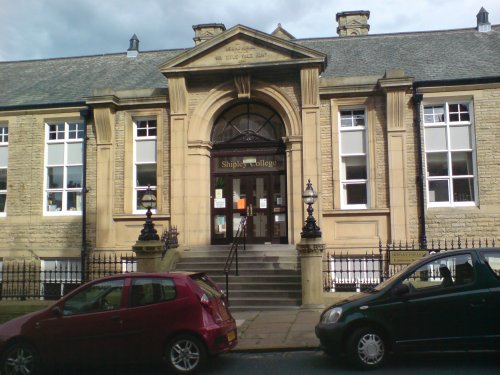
{"x": 142, "y": 216}
{"x": 366, "y": 211}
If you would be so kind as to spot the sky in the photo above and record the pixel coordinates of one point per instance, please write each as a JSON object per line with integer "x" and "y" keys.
{"x": 40, "y": 29}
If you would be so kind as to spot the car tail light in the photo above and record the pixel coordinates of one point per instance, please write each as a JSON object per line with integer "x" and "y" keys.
{"x": 209, "y": 306}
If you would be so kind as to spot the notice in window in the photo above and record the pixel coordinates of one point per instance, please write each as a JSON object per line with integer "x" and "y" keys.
{"x": 263, "y": 203}
{"x": 219, "y": 203}
{"x": 242, "y": 203}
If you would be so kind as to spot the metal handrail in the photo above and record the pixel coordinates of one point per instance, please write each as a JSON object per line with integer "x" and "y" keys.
{"x": 233, "y": 252}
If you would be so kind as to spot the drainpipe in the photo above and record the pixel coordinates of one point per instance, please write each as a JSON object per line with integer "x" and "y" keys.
{"x": 417, "y": 101}
{"x": 83, "y": 254}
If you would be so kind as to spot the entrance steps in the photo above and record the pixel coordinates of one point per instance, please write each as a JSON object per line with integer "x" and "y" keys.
{"x": 269, "y": 275}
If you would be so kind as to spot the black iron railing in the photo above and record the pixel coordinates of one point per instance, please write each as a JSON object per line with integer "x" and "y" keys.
{"x": 232, "y": 257}
{"x": 50, "y": 280}
{"x": 345, "y": 272}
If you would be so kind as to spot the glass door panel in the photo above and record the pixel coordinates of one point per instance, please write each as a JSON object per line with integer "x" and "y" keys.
{"x": 279, "y": 227}
{"x": 219, "y": 207}
{"x": 260, "y": 198}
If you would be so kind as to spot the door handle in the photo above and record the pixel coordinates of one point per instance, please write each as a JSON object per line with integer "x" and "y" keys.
{"x": 116, "y": 318}
{"x": 251, "y": 209}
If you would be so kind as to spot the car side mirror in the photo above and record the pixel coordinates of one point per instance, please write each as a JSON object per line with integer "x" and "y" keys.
{"x": 57, "y": 311}
{"x": 401, "y": 290}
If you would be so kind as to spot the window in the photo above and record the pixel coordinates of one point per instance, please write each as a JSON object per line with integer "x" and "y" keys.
{"x": 247, "y": 123}
{"x": 449, "y": 152}
{"x": 59, "y": 276}
{"x": 492, "y": 259}
{"x": 144, "y": 159}
{"x": 446, "y": 272}
{"x": 151, "y": 290}
{"x": 64, "y": 168}
{"x": 103, "y": 296}
{"x": 4, "y": 158}
{"x": 353, "y": 158}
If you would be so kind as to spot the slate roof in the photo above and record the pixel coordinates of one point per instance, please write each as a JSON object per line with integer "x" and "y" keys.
{"x": 70, "y": 80}
{"x": 426, "y": 56}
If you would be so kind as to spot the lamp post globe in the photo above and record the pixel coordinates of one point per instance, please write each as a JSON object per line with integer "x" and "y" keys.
{"x": 148, "y": 233}
{"x": 310, "y": 229}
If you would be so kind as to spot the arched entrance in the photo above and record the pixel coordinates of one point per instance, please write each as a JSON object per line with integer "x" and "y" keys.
{"x": 248, "y": 174}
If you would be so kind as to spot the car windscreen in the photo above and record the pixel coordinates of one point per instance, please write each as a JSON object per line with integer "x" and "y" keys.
{"x": 391, "y": 279}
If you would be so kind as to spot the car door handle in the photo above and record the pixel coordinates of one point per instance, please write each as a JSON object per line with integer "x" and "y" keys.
{"x": 116, "y": 318}
{"x": 478, "y": 302}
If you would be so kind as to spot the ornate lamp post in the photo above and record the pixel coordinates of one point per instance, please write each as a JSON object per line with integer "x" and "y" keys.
{"x": 148, "y": 233}
{"x": 310, "y": 229}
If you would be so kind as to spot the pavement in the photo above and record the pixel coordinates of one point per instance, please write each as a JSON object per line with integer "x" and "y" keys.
{"x": 290, "y": 329}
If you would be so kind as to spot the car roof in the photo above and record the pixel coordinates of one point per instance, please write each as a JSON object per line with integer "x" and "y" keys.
{"x": 175, "y": 275}
{"x": 459, "y": 251}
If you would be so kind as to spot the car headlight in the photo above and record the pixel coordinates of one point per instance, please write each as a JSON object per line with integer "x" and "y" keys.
{"x": 332, "y": 315}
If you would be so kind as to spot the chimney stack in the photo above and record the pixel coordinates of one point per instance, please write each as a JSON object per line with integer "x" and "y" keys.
{"x": 207, "y": 31}
{"x": 353, "y": 23}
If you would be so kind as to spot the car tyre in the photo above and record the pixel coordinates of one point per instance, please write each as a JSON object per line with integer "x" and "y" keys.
{"x": 20, "y": 359}
{"x": 367, "y": 349}
{"x": 185, "y": 354}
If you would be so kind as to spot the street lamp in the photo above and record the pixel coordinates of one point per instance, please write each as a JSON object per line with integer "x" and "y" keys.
{"x": 310, "y": 229}
{"x": 148, "y": 233}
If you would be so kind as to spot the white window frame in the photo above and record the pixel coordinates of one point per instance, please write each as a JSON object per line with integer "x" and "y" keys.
{"x": 4, "y": 143}
{"x": 447, "y": 125}
{"x": 65, "y": 271}
{"x": 65, "y": 141}
{"x": 138, "y": 189}
{"x": 343, "y": 180}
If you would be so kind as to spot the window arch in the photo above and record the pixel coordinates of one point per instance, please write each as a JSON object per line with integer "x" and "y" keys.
{"x": 247, "y": 124}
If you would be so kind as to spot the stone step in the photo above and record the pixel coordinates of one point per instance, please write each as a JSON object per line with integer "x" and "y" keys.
{"x": 269, "y": 276}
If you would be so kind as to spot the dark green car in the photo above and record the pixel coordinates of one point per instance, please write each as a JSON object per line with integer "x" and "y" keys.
{"x": 445, "y": 301}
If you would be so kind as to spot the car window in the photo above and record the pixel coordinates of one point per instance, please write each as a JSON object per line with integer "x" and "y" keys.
{"x": 445, "y": 272}
{"x": 101, "y": 296}
{"x": 492, "y": 259}
{"x": 146, "y": 291}
{"x": 207, "y": 286}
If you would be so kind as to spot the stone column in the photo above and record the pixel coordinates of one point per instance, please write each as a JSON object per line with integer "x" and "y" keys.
{"x": 178, "y": 161}
{"x": 311, "y": 259}
{"x": 104, "y": 122}
{"x": 396, "y": 85}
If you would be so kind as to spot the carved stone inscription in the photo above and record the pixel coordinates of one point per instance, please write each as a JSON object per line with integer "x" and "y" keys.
{"x": 240, "y": 52}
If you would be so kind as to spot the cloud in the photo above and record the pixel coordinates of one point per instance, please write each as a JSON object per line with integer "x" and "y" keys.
{"x": 34, "y": 29}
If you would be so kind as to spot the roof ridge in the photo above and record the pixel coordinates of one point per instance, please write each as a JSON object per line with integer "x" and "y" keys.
{"x": 402, "y": 33}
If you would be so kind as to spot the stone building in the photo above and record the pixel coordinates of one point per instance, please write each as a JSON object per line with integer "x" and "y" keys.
{"x": 397, "y": 133}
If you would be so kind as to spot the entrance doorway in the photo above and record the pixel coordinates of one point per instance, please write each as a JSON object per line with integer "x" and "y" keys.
{"x": 248, "y": 174}
{"x": 259, "y": 197}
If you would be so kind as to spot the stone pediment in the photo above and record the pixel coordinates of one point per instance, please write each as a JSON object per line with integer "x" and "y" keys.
{"x": 242, "y": 47}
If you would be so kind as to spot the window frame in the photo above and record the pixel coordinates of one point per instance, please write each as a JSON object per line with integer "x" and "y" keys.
{"x": 447, "y": 125}
{"x": 4, "y": 143}
{"x": 343, "y": 180}
{"x": 136, "y": 138}
{"x": 65, "y": 141}
{"x": 63, "y": 271}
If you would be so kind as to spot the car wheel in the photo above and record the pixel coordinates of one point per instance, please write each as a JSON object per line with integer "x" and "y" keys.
{"x": 367, "y": 349}
{"x": 185, "y": 354}
{"x": 20, "y": 359}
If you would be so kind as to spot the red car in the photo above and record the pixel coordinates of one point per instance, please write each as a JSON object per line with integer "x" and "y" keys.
{"x": 180, "y": 318}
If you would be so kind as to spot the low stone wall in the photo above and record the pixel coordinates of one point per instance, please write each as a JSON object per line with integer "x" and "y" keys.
{"x": 12, "y": 309}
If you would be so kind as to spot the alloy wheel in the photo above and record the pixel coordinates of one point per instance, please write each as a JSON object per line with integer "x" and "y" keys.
{"x": 20, "y": 359}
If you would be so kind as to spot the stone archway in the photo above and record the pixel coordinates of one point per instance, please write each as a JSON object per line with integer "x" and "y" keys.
{"x": 194, "y": 210}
